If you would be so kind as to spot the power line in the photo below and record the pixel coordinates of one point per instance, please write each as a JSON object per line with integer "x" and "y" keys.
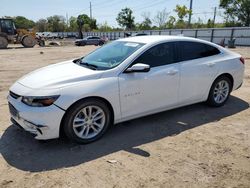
{"x": 109, "y": 3}
{"x": 139, "y": 8}
{"x": 149, "y": 5}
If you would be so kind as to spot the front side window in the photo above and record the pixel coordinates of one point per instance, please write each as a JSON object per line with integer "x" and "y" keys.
{"x": 7, "y": 24}
{"x": 110, "y": 55}
{"x": 195, "y": 50}
{"x": 159, "y": 55}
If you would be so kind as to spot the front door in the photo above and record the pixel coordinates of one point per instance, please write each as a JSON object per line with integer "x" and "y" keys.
{"x": 156, "y": 90}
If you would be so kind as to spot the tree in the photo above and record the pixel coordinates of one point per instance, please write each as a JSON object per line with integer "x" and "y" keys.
{"x": 126, "y": 19}
{"x": 23, "y": 23}
{"x": 199, "y": 24}
{"x": 237, "y": 11}
{"x": 146, "y": 23}
{"x": 210, "y": 23}
{"x": 182, "y": 12}
{"x": 161, "y": 18}
{"x": 73, "y": 24}
{"x": 56, "y": 23}
{"x": 171, "y": 21}
{"x": 86, "y": 22}
{"x": 104, "y": 27}
{"x": 42, "y": 25}
{"x": 93, "y": 24}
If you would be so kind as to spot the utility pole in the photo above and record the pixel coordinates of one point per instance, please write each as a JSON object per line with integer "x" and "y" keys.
{"x": 215, "y": 12}
{"x": 190, "y": 13}
{"x": 90, "y": 10}
{"x": 67, "y": 19}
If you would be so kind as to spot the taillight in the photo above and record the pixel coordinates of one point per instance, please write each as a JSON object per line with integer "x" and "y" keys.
{"x": 242, "y": 60}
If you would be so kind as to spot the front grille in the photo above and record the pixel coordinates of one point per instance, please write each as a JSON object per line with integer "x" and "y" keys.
{"x": 13, "y": 110}
{"x": 15, "y": 96}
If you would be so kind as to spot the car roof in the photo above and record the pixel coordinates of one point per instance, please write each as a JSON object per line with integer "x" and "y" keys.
{"x": 150, "y": 39}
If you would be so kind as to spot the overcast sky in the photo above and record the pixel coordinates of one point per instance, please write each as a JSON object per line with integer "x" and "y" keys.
{"x": 104, "y": 10}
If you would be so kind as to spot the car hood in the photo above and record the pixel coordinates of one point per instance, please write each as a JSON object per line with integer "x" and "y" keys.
{"x": 58, "y": 75}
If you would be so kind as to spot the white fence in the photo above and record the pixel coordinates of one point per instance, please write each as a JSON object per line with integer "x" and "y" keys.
{"x": 216, "y": 35}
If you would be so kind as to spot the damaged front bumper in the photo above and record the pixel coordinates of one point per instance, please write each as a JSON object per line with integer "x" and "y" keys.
{"x": 42, "y": 122}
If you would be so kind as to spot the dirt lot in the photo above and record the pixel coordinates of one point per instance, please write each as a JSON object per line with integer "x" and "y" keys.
{"x": 194, "y": 146}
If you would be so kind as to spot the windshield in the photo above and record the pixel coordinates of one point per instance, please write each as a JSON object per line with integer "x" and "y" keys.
{"x": 110, "y": 55}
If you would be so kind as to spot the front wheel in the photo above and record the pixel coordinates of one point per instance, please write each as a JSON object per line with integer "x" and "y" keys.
{"x": 220, "y": 91}
{"x": 87, "y": 121}
{"x": 28, "y": 41}
{"x": 3, "y": 42}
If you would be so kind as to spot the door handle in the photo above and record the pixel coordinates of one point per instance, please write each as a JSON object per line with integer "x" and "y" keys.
{"x": 172, "y": 72}
{"x": 210, "y": 64}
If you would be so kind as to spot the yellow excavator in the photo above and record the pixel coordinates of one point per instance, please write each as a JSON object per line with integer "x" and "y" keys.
{"x": 9, "y": 34}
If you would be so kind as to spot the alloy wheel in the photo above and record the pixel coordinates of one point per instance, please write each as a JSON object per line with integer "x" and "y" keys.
{"x": 221, "y": 91}
{"x": 89, "y": 122}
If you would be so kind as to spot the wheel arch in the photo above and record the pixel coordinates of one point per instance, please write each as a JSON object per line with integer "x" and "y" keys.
{"x": 109, "y": 105}
{"x": 228, "y": 75}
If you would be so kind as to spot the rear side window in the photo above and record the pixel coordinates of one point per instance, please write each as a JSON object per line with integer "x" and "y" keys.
{"x": 161, "y": 54}
{"x": 195, "y": 50}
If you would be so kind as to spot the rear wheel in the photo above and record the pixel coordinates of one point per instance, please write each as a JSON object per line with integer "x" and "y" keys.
{"x": 101, "y": 43}
{"x": 3, "y": 42}
{"x": 28, "y": 41}
{"x": 220, "y": 91}
{"x": 87, "y": 121}
{"x": 42, "y": 43}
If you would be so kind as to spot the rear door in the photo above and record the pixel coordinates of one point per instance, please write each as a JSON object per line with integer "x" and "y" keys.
{"x": 92, "y": 40}
{"x": 144, "y": 92}
{"x": 89, "y": 41}
{"x": 96, "y": 40}
{"x": 197, "y": 70}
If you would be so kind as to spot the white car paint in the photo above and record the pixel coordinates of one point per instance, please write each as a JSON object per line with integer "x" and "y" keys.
{"x": 130, "y": 95}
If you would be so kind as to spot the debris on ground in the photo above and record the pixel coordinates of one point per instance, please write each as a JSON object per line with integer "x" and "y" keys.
{"x": 112, "y": 161}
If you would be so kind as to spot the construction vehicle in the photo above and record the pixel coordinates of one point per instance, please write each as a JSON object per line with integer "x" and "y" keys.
{"x": 9, "y": 34}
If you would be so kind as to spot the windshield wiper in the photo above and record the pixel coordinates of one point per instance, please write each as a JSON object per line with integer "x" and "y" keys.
{"x": 77, "y": 60}
{"x": 93, "y": 67}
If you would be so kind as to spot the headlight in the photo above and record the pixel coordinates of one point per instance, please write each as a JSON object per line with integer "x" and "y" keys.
{"x": 40, "y": 101}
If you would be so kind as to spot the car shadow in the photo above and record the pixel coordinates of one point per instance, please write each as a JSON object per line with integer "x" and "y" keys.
{"x": 20, "y": 150}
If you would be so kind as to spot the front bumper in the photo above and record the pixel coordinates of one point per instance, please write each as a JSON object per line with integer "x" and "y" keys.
{"x": 43, "y": 122}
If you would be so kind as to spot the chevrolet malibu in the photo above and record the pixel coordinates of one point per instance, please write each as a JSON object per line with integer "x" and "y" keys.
{"x": 123, "y": 80}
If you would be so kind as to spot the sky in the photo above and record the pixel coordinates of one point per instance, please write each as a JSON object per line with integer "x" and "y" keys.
{"x": 105, "y": 10}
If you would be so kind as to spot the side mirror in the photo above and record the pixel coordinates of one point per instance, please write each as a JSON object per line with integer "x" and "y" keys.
{"x": 138, "y": 67}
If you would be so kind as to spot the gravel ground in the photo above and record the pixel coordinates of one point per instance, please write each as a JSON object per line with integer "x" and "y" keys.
{"x": 193, "y": 146}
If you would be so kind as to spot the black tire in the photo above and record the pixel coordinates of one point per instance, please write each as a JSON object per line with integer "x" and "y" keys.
{"x": 74, "y": 110}
{"x": 83, "y": 44}
{"x": 211, "y": 98}
{"x": 101, "y": 43}
{"x": 41, "y": 43}
{"x": 28, "y": 41}
{"x": 3, "y": 42}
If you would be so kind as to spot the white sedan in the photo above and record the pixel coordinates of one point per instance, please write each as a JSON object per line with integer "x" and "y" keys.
{"x": 123, "y": 80}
